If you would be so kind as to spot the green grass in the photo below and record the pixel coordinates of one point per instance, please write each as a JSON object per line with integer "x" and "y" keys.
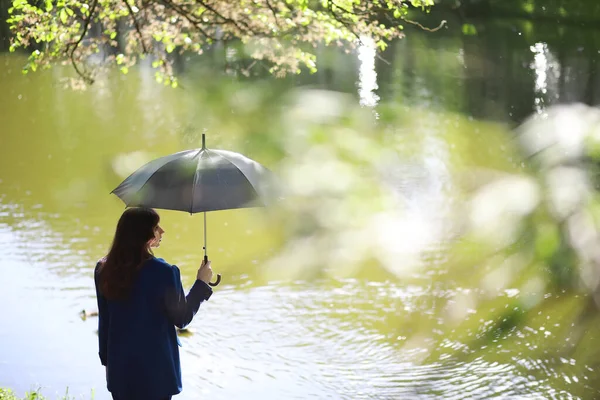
{"x": 8, "y": 394}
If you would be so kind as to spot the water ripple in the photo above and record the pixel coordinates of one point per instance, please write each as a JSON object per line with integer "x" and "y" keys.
{"x": 329, "y": 339}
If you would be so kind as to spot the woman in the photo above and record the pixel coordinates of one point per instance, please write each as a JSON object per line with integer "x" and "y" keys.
{"x": 140, "y": 302}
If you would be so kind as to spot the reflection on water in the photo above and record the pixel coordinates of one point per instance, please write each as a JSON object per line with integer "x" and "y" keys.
{"x": 547, "y": 75}
{"x": 367, "y": 76}
{"x": 348, "y": 290}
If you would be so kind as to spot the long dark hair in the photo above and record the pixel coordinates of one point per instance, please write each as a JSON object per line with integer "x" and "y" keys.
{"x": 128, "y": 252}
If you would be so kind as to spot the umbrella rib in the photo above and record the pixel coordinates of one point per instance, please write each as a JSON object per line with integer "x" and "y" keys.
{"x": 152, "y": 174}
{"x": 195, "y": 181}
{"x": 244, "y": 175}
{"x": 209, "y": 153}
{"x": 131, "y": 175}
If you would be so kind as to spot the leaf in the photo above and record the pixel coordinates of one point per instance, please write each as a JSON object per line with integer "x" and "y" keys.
{"x": 113, "y": 35}
{"x": 18, "y": 4}
{"x": 63, "y": 16}
{"x": 49, "y": 6}
{"x": 528, "y": 7}
{"x": 124, "y": 70}
{"x": 469, "y": 30}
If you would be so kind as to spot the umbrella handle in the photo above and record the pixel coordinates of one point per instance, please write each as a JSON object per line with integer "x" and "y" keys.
{"x": 217, "y": 282}
{"x": 218, "y": 275}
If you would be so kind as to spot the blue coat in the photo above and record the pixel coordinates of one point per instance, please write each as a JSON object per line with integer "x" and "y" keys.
{"x": 137, "y": 339}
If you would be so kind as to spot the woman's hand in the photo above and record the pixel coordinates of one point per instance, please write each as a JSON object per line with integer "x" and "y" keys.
{"x": 205, "y": 272}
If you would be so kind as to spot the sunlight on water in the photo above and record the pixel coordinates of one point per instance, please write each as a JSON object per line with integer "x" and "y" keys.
{"x": 547, "y": 72}
{"x": 367, "y": 82}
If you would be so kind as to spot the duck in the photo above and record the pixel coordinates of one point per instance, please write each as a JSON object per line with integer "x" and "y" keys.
{"x": 185, "y": 332}
{"x": 84, "y": 314}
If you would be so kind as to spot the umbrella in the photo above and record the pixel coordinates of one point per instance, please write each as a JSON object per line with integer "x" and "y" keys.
{"x": 199, "y": 180}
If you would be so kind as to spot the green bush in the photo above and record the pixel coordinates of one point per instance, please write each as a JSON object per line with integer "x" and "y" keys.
{"x": 8, "y": 394}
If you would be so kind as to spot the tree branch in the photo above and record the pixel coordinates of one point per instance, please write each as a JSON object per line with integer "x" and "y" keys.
{"x": 86, "y": 25}
{"x": 346, "y": 10}
{"x": 242, "y": 25}
{"x": 224, "y": 18}
{"x": 185, "y": 14}
{"x": 136, "y": 25}
{"x": 440, "y": 26}
{"x": 331, "y": 4}
{"x": 274, "y": 12}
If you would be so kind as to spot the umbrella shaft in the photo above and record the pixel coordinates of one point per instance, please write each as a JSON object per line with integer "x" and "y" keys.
{"x": 205, "y": 257}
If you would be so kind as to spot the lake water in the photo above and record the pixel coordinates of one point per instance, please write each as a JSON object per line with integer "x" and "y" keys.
{"x": 342, "y": 293}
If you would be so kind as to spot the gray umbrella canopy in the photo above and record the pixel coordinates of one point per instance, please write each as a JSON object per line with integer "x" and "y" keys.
{"x": 199, "y": 180}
